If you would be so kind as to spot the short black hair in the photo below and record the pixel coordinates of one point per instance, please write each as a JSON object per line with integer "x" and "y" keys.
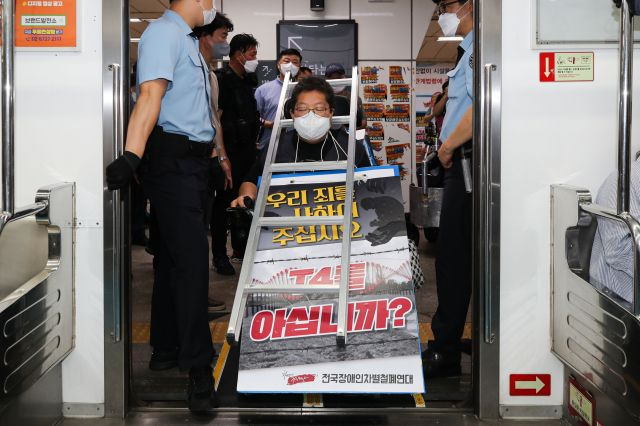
{"x": 310, "y": 84}
{"x": 242, "y": 42}
{"x": 305, "y": 69}
{"x": 220, "y": 21}
{"x": 287, "y": 52}
{"x": 445, "y": 84}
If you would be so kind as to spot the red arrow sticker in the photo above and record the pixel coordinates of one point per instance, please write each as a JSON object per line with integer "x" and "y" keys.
{"x": 547, "y": 65}
{"x": 530, "y": 384}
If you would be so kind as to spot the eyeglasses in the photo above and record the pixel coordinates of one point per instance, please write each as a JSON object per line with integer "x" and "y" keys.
{"x": 304, "y": 109}
{"x": 442, "y": 6}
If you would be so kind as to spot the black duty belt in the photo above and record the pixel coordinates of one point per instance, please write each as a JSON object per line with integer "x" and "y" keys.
{"x": 166, "y": 144}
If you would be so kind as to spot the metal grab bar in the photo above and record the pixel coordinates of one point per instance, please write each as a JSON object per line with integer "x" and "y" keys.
{"x": 116, "y": 332}
{"x": 30, "y": 210}
{"x": 634, "y": 228}
{"x": 625, "y": 107}
{"x": 8, "y": 92}
{"x": 487, "y": 88}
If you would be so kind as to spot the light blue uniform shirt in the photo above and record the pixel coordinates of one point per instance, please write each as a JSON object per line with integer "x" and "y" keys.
{"x": 167, "y": 51}
{"x": 267, "y": 97}
{"x": 460, "y": 89}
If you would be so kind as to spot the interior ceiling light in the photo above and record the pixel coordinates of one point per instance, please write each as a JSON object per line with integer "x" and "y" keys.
{"x": 454, "y": 38}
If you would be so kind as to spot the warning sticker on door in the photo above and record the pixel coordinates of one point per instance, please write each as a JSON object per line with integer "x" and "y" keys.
{"x": 557, "y": 67}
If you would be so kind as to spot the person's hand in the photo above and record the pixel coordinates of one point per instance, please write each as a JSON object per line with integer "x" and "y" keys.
{"x": 226, "y": 168}
{"x": 121, "y": 170}
{"x": 445, "y": 155}
{"x": 268, "y": 124}
{"x": 239, "y": 202}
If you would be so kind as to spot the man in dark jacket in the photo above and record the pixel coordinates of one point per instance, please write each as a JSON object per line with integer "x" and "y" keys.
{"x": 240, "y": 125}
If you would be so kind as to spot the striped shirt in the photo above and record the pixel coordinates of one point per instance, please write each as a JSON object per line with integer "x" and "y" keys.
{"x": 612, "y": 254}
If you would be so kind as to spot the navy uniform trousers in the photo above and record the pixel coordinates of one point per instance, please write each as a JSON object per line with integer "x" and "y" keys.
{"x": 453, "y": 263}
{"x": 175, "y": 176}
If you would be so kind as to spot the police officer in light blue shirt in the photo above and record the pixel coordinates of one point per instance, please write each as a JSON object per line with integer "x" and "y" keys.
{"x": 169, "y": 143}
{"x": 453, "y": 259}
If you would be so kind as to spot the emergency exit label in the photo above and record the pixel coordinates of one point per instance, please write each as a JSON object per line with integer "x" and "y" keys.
{"x": 530, "y": 384}
{"x": 558, "y": 67}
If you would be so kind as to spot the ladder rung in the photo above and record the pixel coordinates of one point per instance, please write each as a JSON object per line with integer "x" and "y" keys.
{"x": 340, "y": 82}
{"x": 308, "y": 166}
{"x": 338, "y": 119}
{"x": 336, "y": 82}
{"x": 301, "y": 221}
{"x": 293, "y": 289}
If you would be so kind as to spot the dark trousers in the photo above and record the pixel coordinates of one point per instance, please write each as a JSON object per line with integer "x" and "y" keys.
{"x": 178, "y": 190}
{"x": 453, "y": 263}
{"x": 138, "y": 211}
{"x": 240, "y": 165}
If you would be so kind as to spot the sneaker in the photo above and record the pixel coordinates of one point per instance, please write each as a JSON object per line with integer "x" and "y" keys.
{"x": 201, "y": 394}
{"x": 163, "y": 359}
{"x": 216, "y": 305}
{"x": 223, "y": 266}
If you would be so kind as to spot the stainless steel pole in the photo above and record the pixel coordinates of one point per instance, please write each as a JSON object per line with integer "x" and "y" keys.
{"x": 8, "y": 165}
{"x": 624, "y": 107}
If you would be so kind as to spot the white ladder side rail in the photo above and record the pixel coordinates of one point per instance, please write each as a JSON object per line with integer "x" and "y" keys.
{"x": 239, "y": 303}
{"x": 343, "y": 296}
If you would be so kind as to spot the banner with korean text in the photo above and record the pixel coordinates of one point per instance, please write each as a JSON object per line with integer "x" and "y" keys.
{"x": 289, "y": 340}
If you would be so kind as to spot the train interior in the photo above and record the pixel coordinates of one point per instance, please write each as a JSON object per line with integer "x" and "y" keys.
{"x": 542, "y": 342}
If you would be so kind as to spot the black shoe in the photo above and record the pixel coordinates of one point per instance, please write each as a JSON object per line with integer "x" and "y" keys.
{"x": 223, "y": 266}
{"x": 163, "y": 359}
{"x": 201, "y": 393}
{"x": 215, "y": 306}
{"x": 436, "y": 364}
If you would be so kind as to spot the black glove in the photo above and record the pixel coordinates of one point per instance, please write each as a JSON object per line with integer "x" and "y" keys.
{"x": 121, "y": 170}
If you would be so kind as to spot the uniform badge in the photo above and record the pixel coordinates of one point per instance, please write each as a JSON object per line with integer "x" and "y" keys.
{"x": 471, "y": 61}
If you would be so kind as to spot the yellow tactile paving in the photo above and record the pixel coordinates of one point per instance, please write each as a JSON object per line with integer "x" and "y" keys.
{"x": 140, "y": 331}
{"x": 222, "y": 360}
{"x": 419, "y": 399}
{"x": 426, "y": 333}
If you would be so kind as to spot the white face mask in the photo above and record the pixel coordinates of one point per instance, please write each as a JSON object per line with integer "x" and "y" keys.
{"x": 251, "y": 66}
{"x": 312, "y": 127}
{"x": 209, "y": 15}
{"x": 289, "y": 67}
{"x": 449, "y": 23}
{"x": 339, "y": 89}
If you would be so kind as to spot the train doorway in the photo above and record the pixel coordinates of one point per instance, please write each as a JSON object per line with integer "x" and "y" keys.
{"x": 129, "y": 385}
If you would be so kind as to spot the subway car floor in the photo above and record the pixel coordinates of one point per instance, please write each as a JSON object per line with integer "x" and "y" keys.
{"x": 167, "y": 388}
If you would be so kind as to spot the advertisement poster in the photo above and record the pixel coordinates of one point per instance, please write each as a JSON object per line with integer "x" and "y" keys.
{"x": 389, "y": 117}
{"x": 49, "y": 24}
{"x": 289, "y": 341}
{"x": 427, "y": 81}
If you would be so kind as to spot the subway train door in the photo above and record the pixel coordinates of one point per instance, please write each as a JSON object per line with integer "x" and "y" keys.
{"x": 117, "y": 250}
{"x": 486, "y": 245}
{"x": 486, "y": 206}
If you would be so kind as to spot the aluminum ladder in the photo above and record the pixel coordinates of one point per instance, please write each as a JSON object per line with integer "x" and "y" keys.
{"x": 245, "y": 288}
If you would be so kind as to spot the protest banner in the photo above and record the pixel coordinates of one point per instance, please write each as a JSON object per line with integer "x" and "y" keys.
{"x": 289, "y": 340}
